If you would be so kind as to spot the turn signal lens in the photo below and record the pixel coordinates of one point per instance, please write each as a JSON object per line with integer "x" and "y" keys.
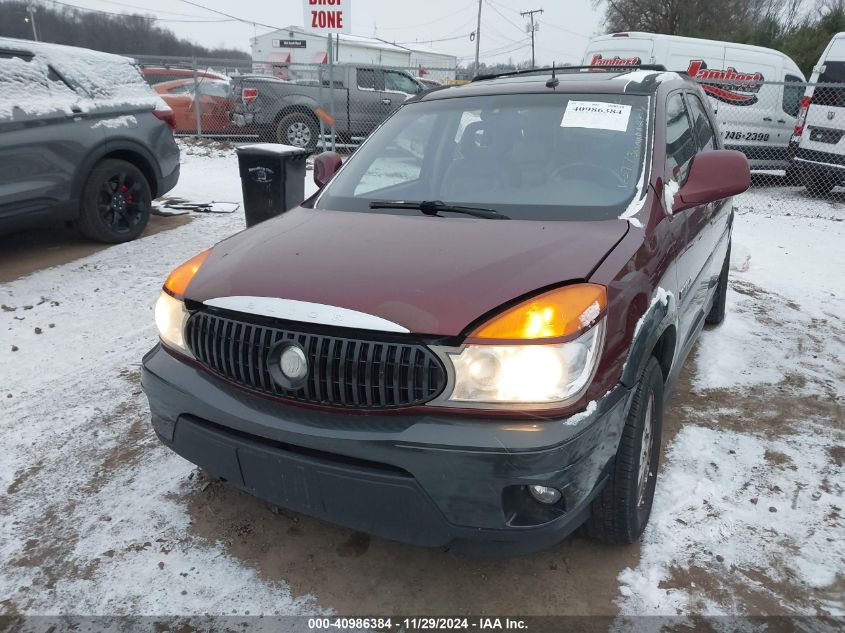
{"x": 557, "y": 313}
{"x": 178, "y": 281}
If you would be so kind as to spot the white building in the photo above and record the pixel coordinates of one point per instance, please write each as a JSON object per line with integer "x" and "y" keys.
{"x": 280, "y": 52}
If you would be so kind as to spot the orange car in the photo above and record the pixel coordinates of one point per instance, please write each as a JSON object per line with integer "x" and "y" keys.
{"x": 215, "y": 99}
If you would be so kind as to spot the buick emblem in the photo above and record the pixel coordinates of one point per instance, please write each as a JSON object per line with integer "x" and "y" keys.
{"x": 293, "y": 363}
{"x": 288, "y": 365}
{"x": 830, "y": 116}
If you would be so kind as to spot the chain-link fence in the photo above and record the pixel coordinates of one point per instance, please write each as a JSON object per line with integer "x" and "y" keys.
{"x": 306, "y": 105}
{"x": 792, "y": 132}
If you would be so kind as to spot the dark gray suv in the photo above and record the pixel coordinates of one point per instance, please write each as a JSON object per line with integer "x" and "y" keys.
{"x": 83, "y": 139}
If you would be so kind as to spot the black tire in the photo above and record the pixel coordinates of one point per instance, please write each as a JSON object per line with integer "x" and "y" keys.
{"x": 717, "y": 310}
{"x": 116, "y": 202}
{"x": 819, "y": 183}
{"x": 298, "y": 129}
{"x": 621, "y": 511}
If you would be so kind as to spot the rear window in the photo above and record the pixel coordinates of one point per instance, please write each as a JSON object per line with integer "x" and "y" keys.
{"x": 834, "y": 72}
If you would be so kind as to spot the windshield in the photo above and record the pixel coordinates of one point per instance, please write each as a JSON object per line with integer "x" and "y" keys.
{"x": 529, "y": 156}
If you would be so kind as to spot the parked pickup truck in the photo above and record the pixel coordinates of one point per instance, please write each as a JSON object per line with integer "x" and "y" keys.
{"x": 289, "y": 112}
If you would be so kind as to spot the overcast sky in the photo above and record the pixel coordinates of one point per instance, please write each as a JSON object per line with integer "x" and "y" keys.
{"x": 565, "y": 25}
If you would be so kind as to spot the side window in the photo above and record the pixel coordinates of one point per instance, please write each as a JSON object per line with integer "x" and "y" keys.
{"x": 398, "y": 82}
{"x": 367, "y": 78}
{"x": 793, "y": 90}
{"x": 680, "y": 142}
{"x": 704, "y": 135}
{"x": 832, "y": 96}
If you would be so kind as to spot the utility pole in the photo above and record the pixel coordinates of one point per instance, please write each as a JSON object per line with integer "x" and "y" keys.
{"x": 477, "y": 36}
{"x": 31, "y": 10}
{"x": 533, "y": 28}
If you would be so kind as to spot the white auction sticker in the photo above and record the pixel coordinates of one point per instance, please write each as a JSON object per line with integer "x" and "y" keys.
{"x": 596, "y": 114}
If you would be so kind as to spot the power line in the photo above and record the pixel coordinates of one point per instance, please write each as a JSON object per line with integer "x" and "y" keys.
{"x": 500, "y": 50}
{"x": 530, "y": 14}
{"x": 234, "y": 17}
{"x": 157, "y": 11}
{"x": 442, "y": 39}
{"x": 414, "y": 26}
{"x": 560, "y": 28}
{"x": 503, "y": 16}
{"x": 152, "y": 18}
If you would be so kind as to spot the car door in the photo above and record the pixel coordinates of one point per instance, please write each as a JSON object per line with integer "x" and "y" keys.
{"x": 44, "y": 134}
{"x": 366, "y": 106}
{"x": 714, "y": 217}
{"x": 689, "y": 227}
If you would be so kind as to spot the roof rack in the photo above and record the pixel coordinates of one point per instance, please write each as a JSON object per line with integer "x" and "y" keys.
{"x": 563, "y": 69}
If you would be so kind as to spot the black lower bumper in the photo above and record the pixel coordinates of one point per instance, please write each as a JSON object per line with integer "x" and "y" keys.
{"x": 431, "y": 480}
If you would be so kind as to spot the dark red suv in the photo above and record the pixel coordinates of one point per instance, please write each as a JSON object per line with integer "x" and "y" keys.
{"x": 465, "y": 337}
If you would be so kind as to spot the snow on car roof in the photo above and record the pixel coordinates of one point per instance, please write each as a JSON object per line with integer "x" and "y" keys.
{"x": 81, "y": 78}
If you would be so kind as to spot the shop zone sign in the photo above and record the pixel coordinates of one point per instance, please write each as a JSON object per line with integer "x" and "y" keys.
{"x": 327, "y": 16}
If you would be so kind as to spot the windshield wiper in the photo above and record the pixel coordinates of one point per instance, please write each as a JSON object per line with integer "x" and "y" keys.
{"x": 435, "y": 207}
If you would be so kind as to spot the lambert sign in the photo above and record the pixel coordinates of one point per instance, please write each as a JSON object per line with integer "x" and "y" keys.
{"x": 327, "y": 16}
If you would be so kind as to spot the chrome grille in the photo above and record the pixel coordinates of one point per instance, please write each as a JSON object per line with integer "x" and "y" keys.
{"x": 342, "y": 372}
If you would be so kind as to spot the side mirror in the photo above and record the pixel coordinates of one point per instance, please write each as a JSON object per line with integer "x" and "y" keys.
{"x": 713, "y": 175}
{"x": 325, "y": 167}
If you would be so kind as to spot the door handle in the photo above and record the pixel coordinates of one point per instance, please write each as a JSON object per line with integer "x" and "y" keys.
{"x": 767, "y": 118}
{"x": 781, "y": 120}
{"x": 386, "y": 101}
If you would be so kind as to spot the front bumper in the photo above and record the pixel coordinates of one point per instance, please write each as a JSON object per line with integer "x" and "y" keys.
{"x": 433, "y": 480}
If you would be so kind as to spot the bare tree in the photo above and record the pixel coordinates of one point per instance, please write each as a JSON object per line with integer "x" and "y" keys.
{"x": 718, "y": 19}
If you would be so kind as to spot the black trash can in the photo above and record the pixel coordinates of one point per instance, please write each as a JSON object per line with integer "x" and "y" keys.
{"x": 272, "y": 179}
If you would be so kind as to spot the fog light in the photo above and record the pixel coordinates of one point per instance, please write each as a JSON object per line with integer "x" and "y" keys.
{"x": 544, "y": 494}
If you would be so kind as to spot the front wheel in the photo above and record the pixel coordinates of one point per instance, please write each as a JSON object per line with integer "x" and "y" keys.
{"x": 116, "y": 202}
{"x": 298, "y": 129}
{"x": 621, "y": 511}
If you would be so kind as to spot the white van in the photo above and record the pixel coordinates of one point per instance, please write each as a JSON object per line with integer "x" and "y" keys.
{"x": 820, "y": 133}
{"x": 756, "y": 118}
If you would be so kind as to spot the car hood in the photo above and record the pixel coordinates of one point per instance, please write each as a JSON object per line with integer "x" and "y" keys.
{"x": 430, "y": 275}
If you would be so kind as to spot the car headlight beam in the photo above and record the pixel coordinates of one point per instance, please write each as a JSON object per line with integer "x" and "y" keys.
{"x": 171, "y": 317}
{"x": 525, "y": 374}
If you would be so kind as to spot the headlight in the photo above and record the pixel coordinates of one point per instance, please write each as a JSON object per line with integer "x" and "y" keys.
{"x": 171, "y": 317}
{"x": 503, "y": 374}
{"x": 542, "y": 351}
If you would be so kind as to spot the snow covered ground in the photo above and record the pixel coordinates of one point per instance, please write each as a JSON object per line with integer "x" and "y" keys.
{"x": 747, "y": 517}
{"x": 748, "y": 510}
{"x": 89, "y": 522}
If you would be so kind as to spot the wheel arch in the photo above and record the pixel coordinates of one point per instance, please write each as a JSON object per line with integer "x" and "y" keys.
{"x": 656, "y": 335}
{"x": 131, "y": 152}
